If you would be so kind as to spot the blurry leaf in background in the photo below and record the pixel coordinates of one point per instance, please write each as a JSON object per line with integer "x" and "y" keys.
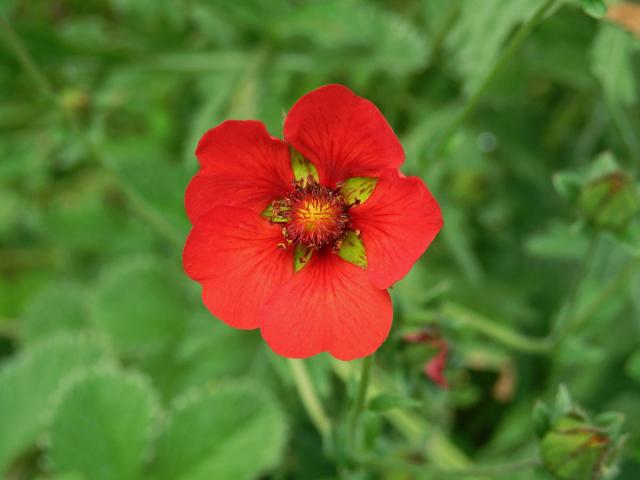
{"x": 141, "y": 304}
{"x": 234, "y": 432}
{"x": 29, "y": 382}
{"x": 595, "y": 8}
{"x": 102, "y": 426}
{"x": 209, "y": 350}
{"x": 479, "y": 34}
{"x": 611, "y": 64}
{"x": 371, "y": 39}
{"x": 59, "y": 307}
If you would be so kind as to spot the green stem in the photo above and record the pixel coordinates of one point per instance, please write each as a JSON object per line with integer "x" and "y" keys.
{"x": 621, "y": 280}
{"x": 151, "y": 215}
{"x": 568, "y": 311}
{"x": 472, "y": 103}
{"x": 359, "y": 403}
{"x": 498, "y": 332}
{"x": 391, "y": 465}
{"x": 524, "y": 343}
{"x": 309, "y": 397}
{"x": 24, "y": 59}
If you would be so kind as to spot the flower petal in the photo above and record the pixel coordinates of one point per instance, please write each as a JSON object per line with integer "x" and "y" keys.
{"x": 397, "y": 224}
{"x": 330, "y": 305}
{"x": 241, "y": 165}
{"x": 233, "y": 253}
{"x": 342, "y": 134}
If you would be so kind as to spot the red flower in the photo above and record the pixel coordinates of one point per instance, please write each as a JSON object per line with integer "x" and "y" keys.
{"x": 284, "y": 241}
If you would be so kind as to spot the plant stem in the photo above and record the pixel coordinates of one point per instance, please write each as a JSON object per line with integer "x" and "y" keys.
{"x": 309, "y": 397}
{"x": 568, "y": 311}
{"x": 391, "y": 465}
{"x": 472, "y": 103}
{"x": 618, "y": 282}
{"x": 150, "y": 214}
{"x": 358, "y": 405}
{"x": 498, "y": 332}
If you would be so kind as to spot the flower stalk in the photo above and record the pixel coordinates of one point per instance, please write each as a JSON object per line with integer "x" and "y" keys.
{"x": 309, "y": 397}
{"x": 359, "y": 402}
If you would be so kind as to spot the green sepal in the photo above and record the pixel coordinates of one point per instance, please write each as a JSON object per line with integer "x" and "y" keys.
{"x": 594, "y": 8}
{"x": 352, "y": 250}
{"x": 302, "y": 167}
{"x": 301, "y": 257}
{"x": 272, "y": 216}
{"x": 357, "y": 190}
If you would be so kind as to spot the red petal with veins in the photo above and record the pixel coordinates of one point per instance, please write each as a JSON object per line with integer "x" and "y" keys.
{"x": 329, "y": 305}
{"x": 241, "y": 165}
{"x": 233, "y": 253}
{"x": 342, "y": 134}
{"x": 397, "y": 223}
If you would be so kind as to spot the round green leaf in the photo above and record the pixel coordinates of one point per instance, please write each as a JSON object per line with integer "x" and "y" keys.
{"x": 102, "y": 426}
{"x": 29, "y": 382}
{"x": 234, "y": 432}
{"x": 141, "y": 304}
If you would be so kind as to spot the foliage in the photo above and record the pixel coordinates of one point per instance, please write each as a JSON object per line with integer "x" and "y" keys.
{"x": 111, "y": 367}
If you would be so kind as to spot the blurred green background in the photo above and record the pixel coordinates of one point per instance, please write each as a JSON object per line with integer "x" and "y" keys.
{"x": 111, "y": 368}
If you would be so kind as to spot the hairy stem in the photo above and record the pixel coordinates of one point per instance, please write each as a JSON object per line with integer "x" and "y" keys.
{"x": 361, "y": 397}
{"x": 309, "y": 397}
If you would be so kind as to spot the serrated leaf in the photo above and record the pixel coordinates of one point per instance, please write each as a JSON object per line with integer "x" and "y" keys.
{"x": 234, "y": 432}
{"x": 102, "y": 426}
{"x": 611, "y": 63}
{"x": 357, "y": 190}
{"x": 209, "y": 350}
{"x": 29, "y": 382}
{"x": 141, "y": 304}
{"x": 352, "y": 249}
{"x": 58, "y": 308}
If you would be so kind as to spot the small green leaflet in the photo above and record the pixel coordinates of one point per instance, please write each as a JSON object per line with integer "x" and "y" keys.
{"x": 357, "y": 190}
{"x": 352, "y": 250}
{"x": 302, "y": 168}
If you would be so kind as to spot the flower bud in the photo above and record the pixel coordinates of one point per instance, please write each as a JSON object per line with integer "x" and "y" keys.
{"x": 573, "y": 449}
{"x": 610, "y": 201}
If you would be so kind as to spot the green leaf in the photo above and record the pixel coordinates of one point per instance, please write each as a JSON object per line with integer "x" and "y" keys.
{"x": 352, "y": 250}
{"x": 102, "y": 426}
{"x": 302, "y": 168}
{"x": 355, "y": 35}
{"x": 611, "y": 63}
{"x": 357, "y": 190}
{"x": 541, "y": 418}
{"x": 480, "y": 33}
{"x": 209, "y": 350}
{"x": 385, "y": 402}
{"x": 633, "y": 366}
{"x": 29, "y": 382}
{"x": 234, "y": 432}
{"x": 141, "y": 304}
{"x": 301, "y": 257}
{"x": 595, "y": 8}
{"x": 568, "y": 184}
{"x": 58, "y": 308}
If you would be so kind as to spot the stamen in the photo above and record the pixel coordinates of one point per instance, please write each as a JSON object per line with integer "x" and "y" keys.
{"x": 315, "y": 216}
